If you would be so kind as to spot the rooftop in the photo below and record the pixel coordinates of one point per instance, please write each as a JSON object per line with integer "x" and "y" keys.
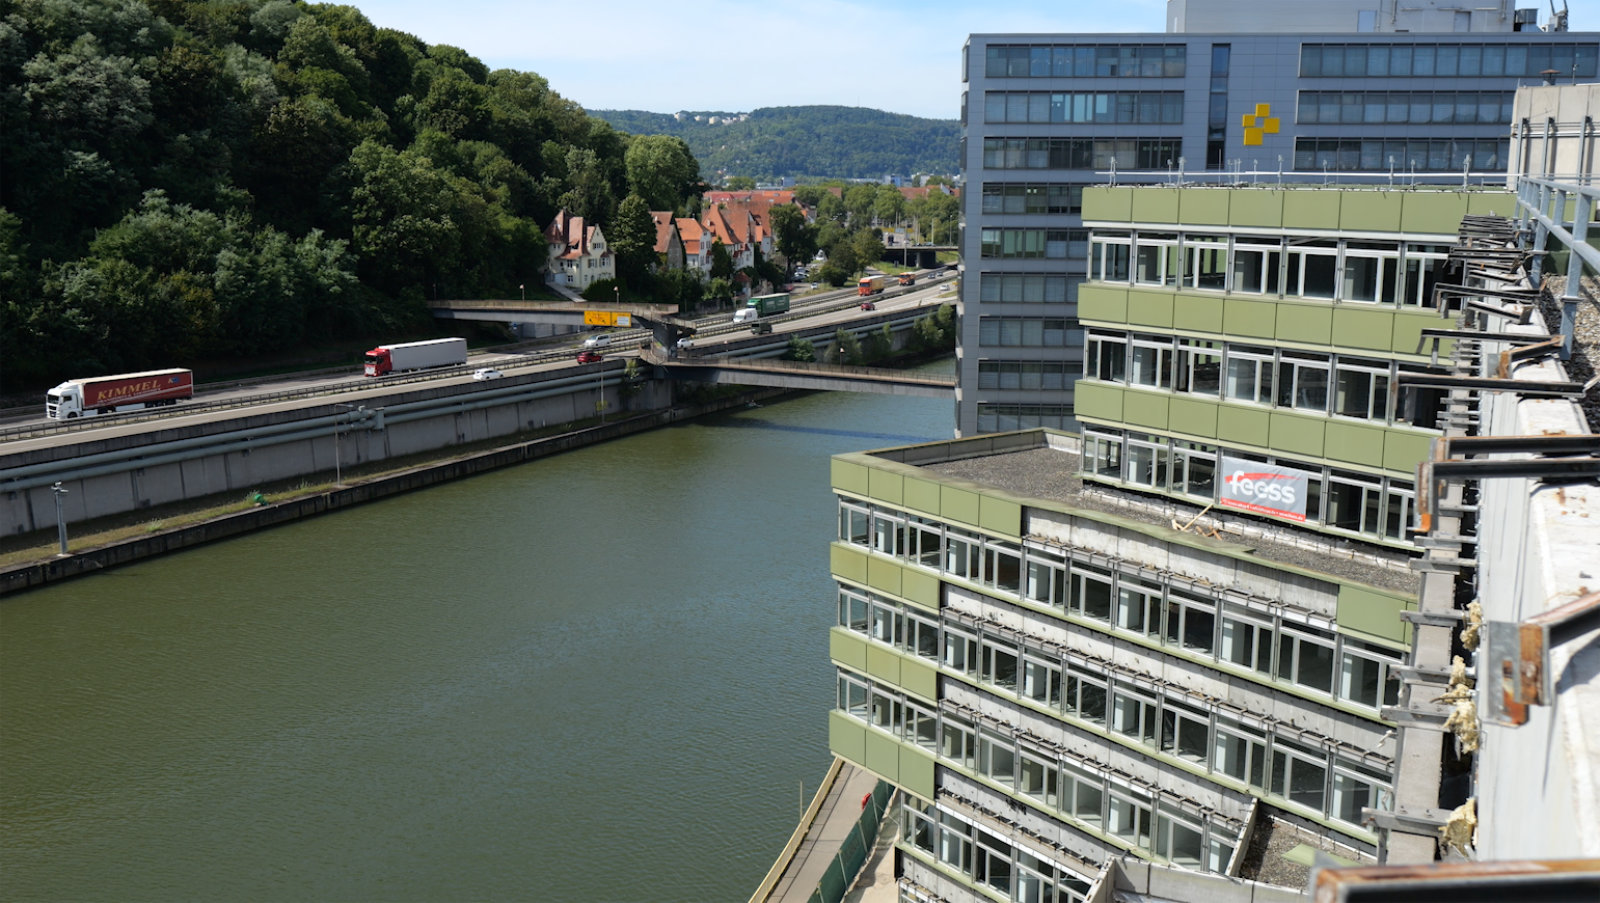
{"x": 1044, "y": 465}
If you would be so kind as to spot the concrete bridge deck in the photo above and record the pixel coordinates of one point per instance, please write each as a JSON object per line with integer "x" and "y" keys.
{"x": 798, "y": 375}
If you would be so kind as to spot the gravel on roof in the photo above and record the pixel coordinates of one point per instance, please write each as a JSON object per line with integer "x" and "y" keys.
{"x": 1051, "y": 474}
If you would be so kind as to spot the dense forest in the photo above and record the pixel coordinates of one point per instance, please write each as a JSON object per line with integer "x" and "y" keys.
{"x": 805, "y": 142}
{"x": 193, "y": 180}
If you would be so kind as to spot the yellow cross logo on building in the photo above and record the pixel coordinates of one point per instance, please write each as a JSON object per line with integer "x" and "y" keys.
{"x": 1259, "y": 123}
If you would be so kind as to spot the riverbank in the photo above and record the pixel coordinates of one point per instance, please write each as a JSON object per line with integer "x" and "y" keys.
{"x": 34, "y": 560}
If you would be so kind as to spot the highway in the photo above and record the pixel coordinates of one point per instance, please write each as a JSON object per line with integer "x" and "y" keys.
{"x": 27, "y": 429}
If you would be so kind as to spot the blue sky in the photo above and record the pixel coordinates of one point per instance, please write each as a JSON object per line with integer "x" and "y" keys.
{"x": 663, "y": 56}
{"x": 657, "y": 55}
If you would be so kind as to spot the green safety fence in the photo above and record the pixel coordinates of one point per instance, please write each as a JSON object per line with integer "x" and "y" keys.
{"x": 855, "y": 849}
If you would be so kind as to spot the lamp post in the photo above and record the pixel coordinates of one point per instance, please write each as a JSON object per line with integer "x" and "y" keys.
{"x": 523, "y": 288}
{"x": 338, "y": 471}
{"x": 61, "y": 521}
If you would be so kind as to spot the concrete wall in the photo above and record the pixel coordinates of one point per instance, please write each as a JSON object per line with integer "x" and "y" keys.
{"x": 112, "y": 476}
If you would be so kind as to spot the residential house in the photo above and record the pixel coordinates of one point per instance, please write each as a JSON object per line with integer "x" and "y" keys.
{"x": 669, "y": 244}
{"x": 578, "y": 253}
{"x": 696, "y": 245}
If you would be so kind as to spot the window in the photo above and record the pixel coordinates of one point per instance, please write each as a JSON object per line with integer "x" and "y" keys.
{"x": 1299, "y": 774}
{"x": 961, "y": 556}
{"x": 1191, "y": 623}
{"x": 1240, "y": 753}
{"x": 925, "y": 544}
{"x": 1083, "y": 795}
{"x": 1091, "y": 593}
{"x": 888, "y": 533}
{"x": 1185, "y": 732}
{"x": 993, "y": 866}
{"x": 853, "y": 611}
{"x": 1305, "y": 659}
{"x": 1086, "y": 698}
{"x": 1249, "y": 375}
{"x": 1109, "y": 253}
{"x": 1194, "y": 470}
{"x": 1246, "y": 642}
{"x": 1303, "y": 381}
{"x": 1138, "y": 609}
{"x": 1002, "y": 567}
{"x": 853, "y": 524}
{"x": 853, "y": 696}
{"x": 1361, "y": 389}
{"x": 957, "y": 741}
{"x": 1256, "y": 262}
{"x": 1355, "y": 502}
{"x": 1205, "y": 262}
{"x": 1311, "y": 265}
{"x": 1105, "y": 356}
{"x": 921, "y": 727}
{"x": 1199, "y": 367}
{"x": 1365, "y": 674}
{"x": 1147, "y": 461}
{"x": 1041, "y": 681}
{"x": 996, "y": 758}
{"x": 888, "y": 625}
{"x": 999, "y": 665}
{"x": 1047, "y": 579}
{"x": 1180, "y": 840}
{"x": 1150, "y": 363}
{"x": 1156, "y": 259}
{"x": 1355, "y": 788}
{"x": 1128, "y": 817}
{"x": 960, "y": 652}
{"x": 922, "y": 637}
{"x": 1371, "y": 272}
{"x": 1038, "y": 777}
{"x": 1134, "y": 716}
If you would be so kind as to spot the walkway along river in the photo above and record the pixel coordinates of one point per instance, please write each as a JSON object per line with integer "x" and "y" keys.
{"x": 603, "y": 676}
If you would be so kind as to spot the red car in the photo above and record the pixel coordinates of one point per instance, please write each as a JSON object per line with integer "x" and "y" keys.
{"x": 588, "y": 357}
{"x": 868, "y": 305}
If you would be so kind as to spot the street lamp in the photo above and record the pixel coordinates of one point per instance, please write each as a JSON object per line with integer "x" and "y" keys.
{"x": 523, "y": 288}
{"x": 338, "y": 472}
{"x": 61, "y": 521}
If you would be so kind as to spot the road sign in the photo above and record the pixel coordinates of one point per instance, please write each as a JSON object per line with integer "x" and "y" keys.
{"x": 606, "y": 318}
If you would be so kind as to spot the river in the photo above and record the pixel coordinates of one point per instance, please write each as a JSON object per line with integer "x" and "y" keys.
{"x": 599, "y": 677}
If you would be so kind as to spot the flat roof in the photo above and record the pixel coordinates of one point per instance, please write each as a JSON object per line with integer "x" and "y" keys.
{"x": 1050, "y": 472}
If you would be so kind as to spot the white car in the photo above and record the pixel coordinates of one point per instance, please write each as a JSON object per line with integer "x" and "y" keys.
{"x": 596, "y": 341}
{"x": 684, "y": 344}
{"x": 487, "y": 373}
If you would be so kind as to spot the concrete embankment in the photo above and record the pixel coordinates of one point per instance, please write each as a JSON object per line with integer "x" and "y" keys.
{"x": 21, "y": 577}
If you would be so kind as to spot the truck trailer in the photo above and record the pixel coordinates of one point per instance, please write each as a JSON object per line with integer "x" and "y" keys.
{"x": 386, "y": 359}
{"x": 122, "y": 392}
{"x": 870, "y": 285}
{"x": 761, "y": 307}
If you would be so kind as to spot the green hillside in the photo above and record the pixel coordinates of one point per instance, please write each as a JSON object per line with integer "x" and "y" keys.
{"x": 804, "y": 142}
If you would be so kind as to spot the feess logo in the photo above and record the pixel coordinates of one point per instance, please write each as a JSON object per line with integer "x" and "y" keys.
{"x": 1268, "y": 487}
{"x": 1264, "y": 488}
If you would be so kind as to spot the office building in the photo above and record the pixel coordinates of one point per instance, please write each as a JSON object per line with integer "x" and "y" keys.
{"x": 1047, "y": 115}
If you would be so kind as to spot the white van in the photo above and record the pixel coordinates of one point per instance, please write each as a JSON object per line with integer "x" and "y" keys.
{"x": 745, "y": 314}
{"x": 597, "y": 341}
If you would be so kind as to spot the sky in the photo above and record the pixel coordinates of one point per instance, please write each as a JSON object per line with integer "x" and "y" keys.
{"x": 901, "y": 56}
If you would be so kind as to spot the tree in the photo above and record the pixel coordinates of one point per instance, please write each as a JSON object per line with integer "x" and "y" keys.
{"x": 800, "y": 350}
{"x": 739, "y": 183}
{"x": 721, "y": 261}
{"x": 633, "y": 240}
{"x": 858, "y": 201}
{"x": 796, "y": 239}
{"x": 846, "y": 348}
{"x": 833, "y": 274}
{"x": 661, "y": 170}
{"x": 719, "y": 291}
{"x": 889, "y": 207}
{"x": 868, "y": 249}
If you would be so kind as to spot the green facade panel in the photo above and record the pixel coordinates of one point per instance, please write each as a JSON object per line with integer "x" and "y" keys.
{"x": 1491, "y": 203}
{"x": 1243, "y": 425}
{"x": 1296, "y": 433}
{"x": 1197, "y": 313}
{"x": 847, "y": 648}
{"x": 1433, "y": 212}
{"x": 847, "y": 737}
{"x": 1402, "y": 449}
{"x": 1311, "y": 209}
{"x": 1255, "y": 208}
{"x": 922, "y": 495}
{"x": 847, "y": 563}
{"x": 960, "y": 505}
{"x": 883, "y": 664}
{"x": 920, "y": 588}
{"x": 1367, "y": 612}
{"x": 1002, "y": 516}
{"x": 1248, "y": 317}
{"x": 919, "y": 678}
{"x": 1099, "y": 401}
{"x": 1155, "y": 205}
{"x": 1150, "y": 309}
{"x": 1100, "y": 303}
{"x": 884, "y": 574}
{"x": 1359, "y": 327}
{"x": 882, "y": 756}
{"x": 1108, "y": 203}
{"x": 1354, "y": 443}
{"x": 1146, "y": 409}
{"x": 848, "y": 476}
{"x": 1310, "y": 324}
{"x": 1193, "y": 417}
{"x": 886, "y": 486}
{"x": 1408, "y": 326}
{"x": 916, "y": 770}
{"x": 1370, "y": 211}
{"x": 1204, "y": 208}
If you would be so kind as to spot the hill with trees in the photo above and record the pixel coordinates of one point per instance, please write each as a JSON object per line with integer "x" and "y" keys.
{"x": 805, "y": 142}
{"x": 194, "y": 180}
